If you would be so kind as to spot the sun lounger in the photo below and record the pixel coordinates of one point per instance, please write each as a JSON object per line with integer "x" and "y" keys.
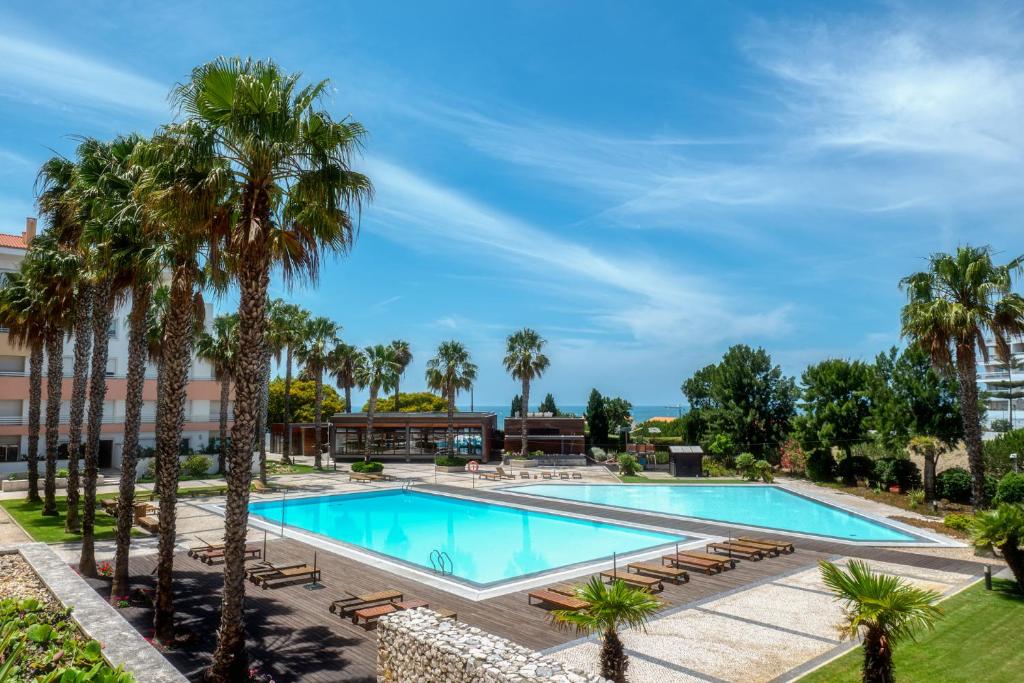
{"x": 345, "y": 606}
{"x": 564, "y": 589}
{"x": 502, "y": 473}
{"x": 556, "y": 600}
{"x": 150, "y": 524}
{"x": 268, "y": 568}
{"x": 546, "y": 475}
{"x": 781, "y": 546}
{"x": 370, "y": 615}
{"x": 709, "y": 564}
{"x": 523, "y": 474}
{"x": 647, "y": 583}
{"x": 201, "y": 548}
{"x": 563, "y": 475}
{"x": 577, "y": 475}
{"x": 672, "y": 574}
{"x": 250, "y": 552}
{"x": 283, "y": 577}
{"x": 491, "y": 476}
{"x": 360, "y": 477}
{"x": 746, "y": 551}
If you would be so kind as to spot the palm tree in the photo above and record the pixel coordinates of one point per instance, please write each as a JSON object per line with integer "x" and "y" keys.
{"x": 276, "y": 340}
{"x": 448, "y": 372}
{"x": 379, "y": 373}
{"x": 344, "y": 364}
{"x": 883, "y": 610}
{"x": 525, "y": 361}
{"x": 949, "y": 309}
{"x": 295, "y": 189}
{"x": 608, "y": 609}
{"x": 154, "y": 338}
{"x": 403, "y": 354}
{"x": 1003, "y": 529}
{"x": 319, "y": 340}
{"x": 287, "y": 325}
{"x": 22, "y": 312}
{"x": 219, "y": 349}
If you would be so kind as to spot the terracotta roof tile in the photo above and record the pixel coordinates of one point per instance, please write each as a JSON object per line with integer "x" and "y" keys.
{"x": 13, "y": 241}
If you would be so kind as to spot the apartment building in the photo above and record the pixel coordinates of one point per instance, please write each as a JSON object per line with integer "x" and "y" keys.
{"x": 202, "y": 408}
{"x": 998, "y": 377}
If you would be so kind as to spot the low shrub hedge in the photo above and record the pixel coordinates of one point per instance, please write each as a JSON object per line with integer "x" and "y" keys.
{"x": 195, "y": 465}
{"x": 450, "y": 461}
{"x": 370, "y": 467}
{"x": 958, "y": 521}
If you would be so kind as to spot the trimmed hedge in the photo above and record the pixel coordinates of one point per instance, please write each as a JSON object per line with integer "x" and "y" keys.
{"x": 368, "y": 467}
{"x": 1010, "y": 489}
{"x": 450, "y": 461}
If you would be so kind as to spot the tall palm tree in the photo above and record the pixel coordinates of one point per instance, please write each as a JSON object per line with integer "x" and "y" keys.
{"x": 378, "y": 373}
{"x": 344, "y": 364}
{"x": 288, "y": 325}
{"x": 608, "y": 609}
{"x": 219, "y": 349}
{"x": 1003, "y": 529}
{"x": 154, "y": 338}
{"x": 950, "y": 308}
{"x": 883, "y": 610}
{"x": 295, "y": 190}
{"x": 320, "y": 339}
{"x": 525, "y": 361}
{"x": 276, "y": 339}
{"x": 448, "y": 372}
{"x": 403, "y": 354}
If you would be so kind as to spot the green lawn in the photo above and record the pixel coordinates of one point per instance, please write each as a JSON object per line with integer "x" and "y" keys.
{"x": 295, "y": 468}
{"x": 51, "y": 529}
{"x": 640, "y": 479}
{"x": 978, "y": 639}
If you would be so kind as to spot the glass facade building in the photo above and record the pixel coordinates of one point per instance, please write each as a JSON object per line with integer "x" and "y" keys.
{"x": 413, "y": 436}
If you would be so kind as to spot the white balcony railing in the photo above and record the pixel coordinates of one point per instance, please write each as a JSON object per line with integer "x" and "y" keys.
{"x": 11, "y": 420}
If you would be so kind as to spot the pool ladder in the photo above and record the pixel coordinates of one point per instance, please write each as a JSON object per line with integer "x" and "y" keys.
{"x": 406, "y": 485}
{"x": 441, "y": 562}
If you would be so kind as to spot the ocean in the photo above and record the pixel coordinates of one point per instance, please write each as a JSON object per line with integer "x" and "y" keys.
{"x": 640, "y": 413}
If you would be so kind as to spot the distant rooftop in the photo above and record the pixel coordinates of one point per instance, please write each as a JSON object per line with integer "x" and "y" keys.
{"x": 21, "y": 241}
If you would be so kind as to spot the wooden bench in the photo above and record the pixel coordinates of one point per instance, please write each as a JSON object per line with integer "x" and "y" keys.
{"x": 674, "y": 575}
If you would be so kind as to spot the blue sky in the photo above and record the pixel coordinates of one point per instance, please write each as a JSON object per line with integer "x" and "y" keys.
{"x": 644, "y": 183}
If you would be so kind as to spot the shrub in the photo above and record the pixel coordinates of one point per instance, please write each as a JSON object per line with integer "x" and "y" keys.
{"x": 195, "y": 465}
{"x": 450, "y": 461}
{"x": 714, "y": 469}
{"x": 62, "y": 473}
{"x": 1000, "y": 425}
{"x": 915, "y": 497}
{"x": 959, "y": 521}
{"x": 954, "y": 485}
{"x": 150, "y": 471}
{"x": 598, "y": 454}
{"x": 997, "y": 451}
{"x": 537, "y": 454}
{"x": 1010, "y": 488}
{"x": 745, "y": 465}
{"x": 854, "y": 468}
{"x": 763, "y": 471}
{"x": 721, "y": 448}
{"x": 661, "y": 457}
{"x": 821, "y": 466}
{"x": 628, "y": 465}
{"x": 368, "y": 467}
{"x": 901, "y": 472}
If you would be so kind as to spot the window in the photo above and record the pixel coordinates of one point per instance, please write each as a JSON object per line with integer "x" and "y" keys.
{"x": 111, "y": 367}
{"x": 12, "y": 365}
{"x": 112, "y": 332}
{"x": 10, "y": 411}
{"x": 9, "y": 448}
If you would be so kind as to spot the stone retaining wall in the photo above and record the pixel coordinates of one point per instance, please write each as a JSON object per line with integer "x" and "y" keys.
{"x": 416, "y": 645}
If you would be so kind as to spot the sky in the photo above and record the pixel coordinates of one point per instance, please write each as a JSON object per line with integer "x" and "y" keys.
{"x": 645, "y": 184}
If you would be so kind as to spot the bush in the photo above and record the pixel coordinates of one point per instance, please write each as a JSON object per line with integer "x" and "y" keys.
{"x": 854, "y": 468}
{"x": 745, "y": 466}
{"x": 628, "y": 465}
{"x": 714, "y": 469}
{"x": 954, "y": 485}
{"x": 1010, "y": 489}
{"x": 537, "y": 454}
{"x": 195, "y": 465}
{"x": 821, "y": 466}
{"x": 661, "y": 457}
{"x": 997, "y": 451}
{"x": 763, "y": 471}
{"x": 901, "y": 472}
{"x": 368, "y": 467}
{"x": 598, "y": 454}
{"x": 959, "y": 521}
{"x": 1001, "y": 425}
{"x": 450, "y": 461}
{"x": 721, "y": 449}
{"x": 62, "y": 473}
{"x": 915, "y": 497}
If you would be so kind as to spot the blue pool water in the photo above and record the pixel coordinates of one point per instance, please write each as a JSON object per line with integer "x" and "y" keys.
{"x": 487, "y": 543}
{"x": 763, "y": 506}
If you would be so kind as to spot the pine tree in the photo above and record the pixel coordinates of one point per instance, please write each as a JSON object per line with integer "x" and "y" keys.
{"x": 517, "y": 405}
{"x": 548, "y": 405}
{"x": 597, "y": 419}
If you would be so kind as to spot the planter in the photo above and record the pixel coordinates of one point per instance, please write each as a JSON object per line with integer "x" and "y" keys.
{"x": 22, "y": 484}
{"x": 449, "y": 468}
{"x": 519, "y": 462}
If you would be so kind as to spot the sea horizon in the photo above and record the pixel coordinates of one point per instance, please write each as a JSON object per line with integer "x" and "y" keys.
{"x": 640, "y": 413}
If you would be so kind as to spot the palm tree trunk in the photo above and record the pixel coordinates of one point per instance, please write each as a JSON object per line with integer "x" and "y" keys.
{"x": 397, "y": 382}
{"x": 877, "y": 659}
{"x": 83, "y": 344}
{"x": 450, "y": 436}
{"x": 318, "y": 416}
{"x": 54, "y": 376}
{"x": 967, "y": 371}
{"x": 176, "y": 359}
{"x": 348, "y": 398}
{"x": 103, "y": 310}
{"x": 264, "y": 417}
{"x": 371, "y": 409}
{"x": 35, "y": 399}
{"x": 287, "y": 447}
{"x": 159, "y": 411}
{"x": 929, "y": 476}
{"x": 230, "y": 659}
{"x": 523, "y": 411}
{"x": 613, "y": 657}
{"x": 225, "y": 398}
{"x": 136, "y": 379}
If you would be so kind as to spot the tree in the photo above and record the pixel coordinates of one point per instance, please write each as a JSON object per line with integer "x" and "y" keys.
{"x": 1010, "y": 389}
{"x": 950, "y": 308}
{"x": 403, "y": 354}
{"x": 318, "y": 342}
{"x": 343, "y": 365}
{"x": 302, "y": 400}
{"x": 608, "y": 609}
{"x": 597, "y": 419}
{"x": 746, "y": 397}
{"x": 928, "y": 448}
{"x": 288, "y": 323}
{"x": 883, "y": 610}
{"x": 378, "y": 373}
{"x": 219, "y": 348}
{"x": 548, "y": 405}
{"x": 617, "y": 410}
{"x": 517, "y": 406}
{"x": 835, "y": 405}
{"x": 1003, "y": 529}
{"x": 525, "y": 361}
{"x": 412, "y": 402}
{"x": 450, "y": 370}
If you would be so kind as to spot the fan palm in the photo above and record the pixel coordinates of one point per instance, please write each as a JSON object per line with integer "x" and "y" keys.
{"x": 608, "y": 609}
{"x": 154, "y": 338}
{"x": 219, "y": 348}
{"x": 448, "y": 372}
{"x": 950, "y": 308}
{"x": 287, "y": 324}
{"x": 344, "y": 364}
{"x": 319, "y": 340}
{"x": 525, "y": 361}
{"x": 403, "y": 354}
{"x": 883, "y": 610}
{"x": 1003, "y": 529}
{"x": 378, "y": 372}
{"x": 275, "y": 343}
{"x": 295, "y": 190}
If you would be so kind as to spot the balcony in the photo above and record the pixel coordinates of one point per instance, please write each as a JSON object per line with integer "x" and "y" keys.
{"x": 11, "y": 420}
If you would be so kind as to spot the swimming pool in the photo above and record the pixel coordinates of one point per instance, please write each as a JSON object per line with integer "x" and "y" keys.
{"x": 760, "y": 506}
{"x": 487, "y": 543}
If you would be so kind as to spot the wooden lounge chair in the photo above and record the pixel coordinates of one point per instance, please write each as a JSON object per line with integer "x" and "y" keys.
{"x": 523, "y": 474}
{"x": 647, "y": 583}
{"x": 251, "y": 552}
{"x": 546, "y": 475}
{"x": 556, "y": 600}
{"x": 672, "y": 574}
{"x": 150, "y": 524}
{"x": 268, "y": 568}
{"x": 564, "y": 589}
{"x": 490, "y": 476}
{"x": 577, "y": 475}
{"x": 283, "y": 577}
{"x": 710, "y": 564}
{"x": 206, "y": 547}
{"x": 345, "y": 606}
{"x": 360, "y": 477}
{"x": 502, "y": 473}
{"x": 563, "y": 475}
{"x": 781, "y": 546}
{"x": 370, "y": 615}
{"x": 749, "y": 552}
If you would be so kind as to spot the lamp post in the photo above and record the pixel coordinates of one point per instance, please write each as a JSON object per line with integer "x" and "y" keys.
{"x": 1013, "y": 459}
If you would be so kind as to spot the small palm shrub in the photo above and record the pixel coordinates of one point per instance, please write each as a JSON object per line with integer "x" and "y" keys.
{"x": 714, "y": 469}
{"x": 1010, "y": 488}
{"x": 368, "y": 467}
{"x": 598, "y": 454}
{"x": 745, "y": 466}
{"x": 195, "y": 465}
{"x": 628, "y": 465}
{"x": 1002, "y": 529}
